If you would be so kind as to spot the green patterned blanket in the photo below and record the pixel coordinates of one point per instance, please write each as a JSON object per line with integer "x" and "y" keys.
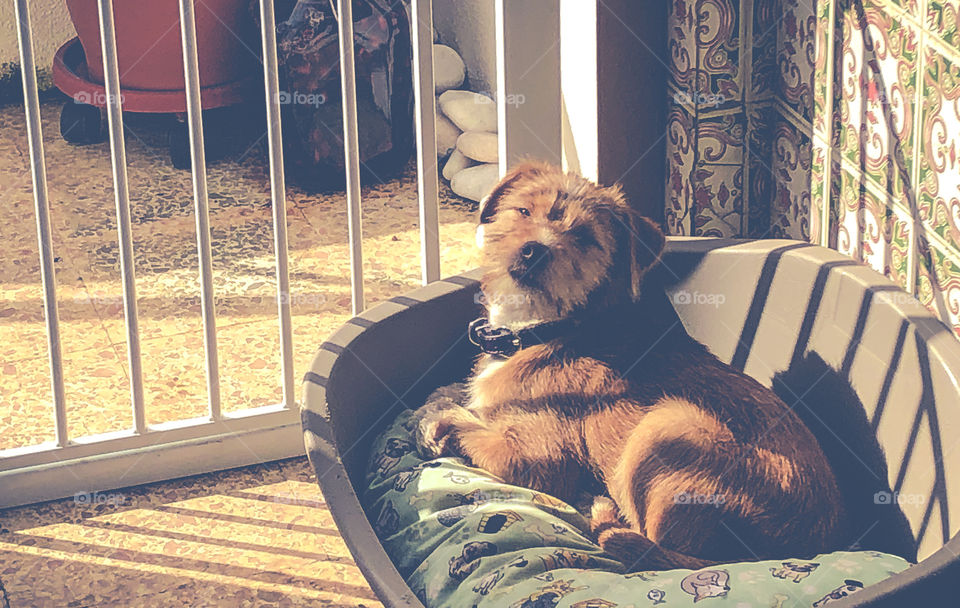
{"x": 463, "y": 538}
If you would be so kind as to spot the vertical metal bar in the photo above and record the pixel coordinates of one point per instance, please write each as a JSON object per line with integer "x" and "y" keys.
{"x": 191, "y": 73}
{"x": 823, "y": 239}
{"x": 351, "y": 151}
{"x": 118, "y": 156}
{"x": 278, "y": 196}
{"x": 528, "y": 69}
{"x": 426, "y": 106}
{"x": 917, "y": 226}
{"x": 31, "y": 104}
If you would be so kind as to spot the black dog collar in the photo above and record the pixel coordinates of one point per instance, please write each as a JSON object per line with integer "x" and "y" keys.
{"x": 503, "y": 342}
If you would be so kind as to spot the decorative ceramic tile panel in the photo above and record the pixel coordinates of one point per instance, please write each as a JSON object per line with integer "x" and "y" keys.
{"x": 681, "y": 159}
{"x": 760, "y": 173}
{"x": 762, "y": 37}
{"x": 824, "y": 67}
{"x": 876, "y": 89}
{"x": 796, "y": 56}
{"x": 938, "y": 284}
{"x": 718, "y": 176}
{"x": 718, "y": 51}
{"x": 939, "y": 188}
{"x": 682, "y": 45}
{"x": 847, "y": 110}
{"x": 911, "y": 6}
{"x": 792, "y": 160}
{"x": 871, "y": 230}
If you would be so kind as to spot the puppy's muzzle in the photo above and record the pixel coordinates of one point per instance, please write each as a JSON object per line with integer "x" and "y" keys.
{"x": 530, "y": 263}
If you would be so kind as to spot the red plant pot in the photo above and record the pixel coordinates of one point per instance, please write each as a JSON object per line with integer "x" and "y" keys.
{"x": 148, "y": 41}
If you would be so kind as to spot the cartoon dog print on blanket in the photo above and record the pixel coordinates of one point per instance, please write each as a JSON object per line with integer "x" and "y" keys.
{"x": 402, "y": 480}
{"x": 464, "y": 564}
{"x": 450, "y": 517}
{"x": 488, "y": 582}
{"x": 548, "y": 501}
{"x": 388, "y": 522}
{"x": 849, "y": 587}
{"x": 564, "y": 558}
{"x": 391, "y": 454}
{"x": 491, "y": 523}
{"x": 706, "y": 584}
{"x": 547, "y": 538}
{"x": 794, "y": 570}
{"x": 480, "y": 497}
{"x": 458, "y": 478}
{"x": 547, "y": 597}
{"x": 597, "y": 602}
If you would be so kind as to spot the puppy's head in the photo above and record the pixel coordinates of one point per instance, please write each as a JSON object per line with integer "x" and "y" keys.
{"x": 553, "y": 242}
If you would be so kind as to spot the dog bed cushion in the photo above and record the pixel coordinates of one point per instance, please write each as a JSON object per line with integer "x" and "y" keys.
{"x": 461, "y": 538}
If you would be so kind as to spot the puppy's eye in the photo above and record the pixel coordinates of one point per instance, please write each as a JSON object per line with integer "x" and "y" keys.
{"x": 523, "y": 211}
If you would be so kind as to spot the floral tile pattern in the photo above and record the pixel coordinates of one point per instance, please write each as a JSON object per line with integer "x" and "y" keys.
{"x": 823, "y": 68}
{"x": 859, "y": 126}
{"x": 875, "y": 91}
{"x": 760, "y": 180}
{"x": 939, "y": 165}
{"x": 763, "y": 72}
{"x": 718, "y": 177}
{"x": 795, "y": 44}
{"x": 943, "y": 18}
{"x": 681, "y": 159}
{"x": 719, "y": 70}
{"x": 872, "y": 231}
{"x": 911, "y": 6}
{"x": 938, "y": 283}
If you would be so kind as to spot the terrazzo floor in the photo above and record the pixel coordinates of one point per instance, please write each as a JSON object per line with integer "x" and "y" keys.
{"x": 90, "y": 301}
{"x": 259, "y": 536}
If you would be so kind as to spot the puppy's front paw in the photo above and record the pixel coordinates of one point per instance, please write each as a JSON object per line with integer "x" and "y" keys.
{"x": 436, "y": 429}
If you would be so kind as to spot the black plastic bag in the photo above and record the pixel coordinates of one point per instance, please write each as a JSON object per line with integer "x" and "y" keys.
{"x": 309, "y": 57}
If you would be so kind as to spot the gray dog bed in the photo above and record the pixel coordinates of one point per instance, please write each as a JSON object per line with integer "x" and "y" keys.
{"x": 872, "y": 373}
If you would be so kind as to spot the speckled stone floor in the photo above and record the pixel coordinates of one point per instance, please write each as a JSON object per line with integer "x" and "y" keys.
{"x": 90, "y": 294}
{"x": 260, "y": 536}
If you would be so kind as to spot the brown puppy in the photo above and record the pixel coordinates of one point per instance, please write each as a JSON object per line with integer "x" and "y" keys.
{"x": 702, "y": 463}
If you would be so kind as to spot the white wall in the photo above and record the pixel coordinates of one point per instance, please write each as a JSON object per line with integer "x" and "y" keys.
{"x": 578, "y": 83}
{"x": 51, "y": 28}
{"x": 468, "y": 26}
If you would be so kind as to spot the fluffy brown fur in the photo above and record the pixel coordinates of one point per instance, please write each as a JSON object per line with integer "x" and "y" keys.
{"x": 702, "y": 463}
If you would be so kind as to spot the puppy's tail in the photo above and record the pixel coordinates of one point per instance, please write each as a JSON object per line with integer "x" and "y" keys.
{"x": 637, "y": 552}
{"x": 634, "y": 550}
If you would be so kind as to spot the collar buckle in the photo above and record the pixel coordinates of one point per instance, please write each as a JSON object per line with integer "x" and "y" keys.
{"x": 499, "y": 341}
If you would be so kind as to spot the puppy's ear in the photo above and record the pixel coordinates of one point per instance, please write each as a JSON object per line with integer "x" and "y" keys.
{"x": 641, "y": 239}
{"x": 521, "y": 172}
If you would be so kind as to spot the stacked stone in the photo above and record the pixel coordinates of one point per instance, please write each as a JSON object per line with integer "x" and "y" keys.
{"x": 466, "y": 128}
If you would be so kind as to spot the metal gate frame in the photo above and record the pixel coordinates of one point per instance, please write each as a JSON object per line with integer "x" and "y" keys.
{"x": 528, "y": 63}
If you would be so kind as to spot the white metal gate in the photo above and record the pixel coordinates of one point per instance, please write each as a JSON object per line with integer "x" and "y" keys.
{"x": 528, "y": 64}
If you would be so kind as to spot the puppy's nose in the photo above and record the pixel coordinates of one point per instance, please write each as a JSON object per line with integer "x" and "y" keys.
{"x": 531, "y": 260}
{"x": 534, "y": 252}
